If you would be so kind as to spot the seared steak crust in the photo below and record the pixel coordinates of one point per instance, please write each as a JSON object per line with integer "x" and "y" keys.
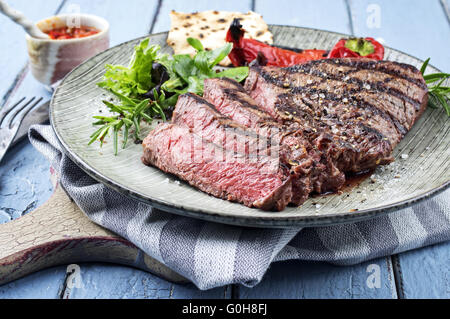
{"x": 361, "y": 107}
{"x": 232, "y": 100}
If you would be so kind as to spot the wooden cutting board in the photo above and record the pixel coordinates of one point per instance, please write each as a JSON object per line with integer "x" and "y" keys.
{"x": 59, "y": 233}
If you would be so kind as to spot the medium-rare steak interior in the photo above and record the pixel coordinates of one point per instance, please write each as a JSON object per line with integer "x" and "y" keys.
{"x": 176, "y": 150}
{"x": 289, "y": 132}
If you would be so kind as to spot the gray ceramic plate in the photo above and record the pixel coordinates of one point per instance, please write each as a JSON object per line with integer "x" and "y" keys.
{"x": 422, "y": 171}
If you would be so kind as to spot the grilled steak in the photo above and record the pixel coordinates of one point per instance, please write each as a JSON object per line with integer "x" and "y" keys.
{"x": 313, "y": 172}
{"x": 205, "y": 120}
{"x": 354, "y": 110}
{"x": 290, "y": 131}
{"x": 232, "y": 100}
{"x": 197, "y": 114}
{"x": 174, "y": 149}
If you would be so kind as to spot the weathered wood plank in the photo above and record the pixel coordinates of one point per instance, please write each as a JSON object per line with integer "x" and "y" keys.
{"x": 12, "y": 37}
{"x": 111, "y": 281}
{"x": 24, "y": 171}
{"x": 45, "y": 284}
{"x": 59, "y": 233}
{"x": 163, "y": 21}
{"x": 417, "y": 27}
{"x": 329, "y": 15}
{"x": 425, "y": 273}
{"x": 305, "y": 280}
{"x": 25, "y": 181}
{"x": 446, "y": 7}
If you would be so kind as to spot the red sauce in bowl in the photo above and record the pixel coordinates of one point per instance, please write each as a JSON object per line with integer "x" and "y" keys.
{"x": 72, "y": 33}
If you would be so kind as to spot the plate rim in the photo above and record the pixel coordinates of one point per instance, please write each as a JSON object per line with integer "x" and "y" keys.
{"x": 268, "y": 221}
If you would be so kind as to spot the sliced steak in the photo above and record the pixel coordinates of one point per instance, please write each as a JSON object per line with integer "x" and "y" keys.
{"x": 206, "y": 121}
{"x": 355, "y": 110}
{"x": 203, "y": 119}
{"x": 176, "y": 150}
{"x": 233, "y": 101}
{"x": 290, "y": 131}
{"x": 313, "y": 171}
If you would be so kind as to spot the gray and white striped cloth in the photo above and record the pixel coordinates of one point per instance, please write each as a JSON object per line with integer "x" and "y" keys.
{"x": 213, "y": 255}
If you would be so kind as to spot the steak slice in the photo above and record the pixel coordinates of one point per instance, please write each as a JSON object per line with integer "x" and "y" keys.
{"x": 203, "y": 119}
{"x": 355, "y": 110}
{"x": 176, "y": 150}
{"x": 233, "y": 101}
{"x": 312, "y": 170}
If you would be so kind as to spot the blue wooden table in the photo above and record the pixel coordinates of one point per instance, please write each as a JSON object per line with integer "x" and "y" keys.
{"x": 419, "y": 27}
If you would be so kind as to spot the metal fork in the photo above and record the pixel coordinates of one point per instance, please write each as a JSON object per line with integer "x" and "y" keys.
{"x": 10, "y": 120}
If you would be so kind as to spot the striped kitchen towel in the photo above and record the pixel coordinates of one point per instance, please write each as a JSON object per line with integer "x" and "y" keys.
{"x": 213, "y": 255}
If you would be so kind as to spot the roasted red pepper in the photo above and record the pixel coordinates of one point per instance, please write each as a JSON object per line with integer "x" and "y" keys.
{"x": 246, "y": 50}
{"x": 357, "y": 48}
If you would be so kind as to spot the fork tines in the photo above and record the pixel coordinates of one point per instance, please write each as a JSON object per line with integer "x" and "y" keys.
{"x": 10, "y": 119}
{"x": 12, "y": 112}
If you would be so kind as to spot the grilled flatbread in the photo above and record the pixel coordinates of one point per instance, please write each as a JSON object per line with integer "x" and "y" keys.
{"x": 211, "y": 27}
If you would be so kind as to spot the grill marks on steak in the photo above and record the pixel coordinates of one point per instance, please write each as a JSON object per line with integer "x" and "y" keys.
{"x": 379, "y": 86}
{"x": 365, "y": 106}
{"x": 203, "y": 119}
{"x": 233, "y": 101}
{"x": 316, "y": 120}
{"x": 312, "y": 172}
{"x": 175, "y": 149}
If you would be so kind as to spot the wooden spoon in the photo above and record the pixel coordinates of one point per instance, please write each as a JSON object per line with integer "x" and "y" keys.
{"x": 20, "y": 19}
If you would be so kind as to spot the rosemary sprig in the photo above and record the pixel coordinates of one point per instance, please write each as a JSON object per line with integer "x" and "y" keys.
{"x": 439, "y": 95}
{"x": 130, "y": 113}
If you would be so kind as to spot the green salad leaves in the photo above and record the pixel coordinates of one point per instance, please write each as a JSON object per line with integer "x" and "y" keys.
{"x": 143, "y": 94}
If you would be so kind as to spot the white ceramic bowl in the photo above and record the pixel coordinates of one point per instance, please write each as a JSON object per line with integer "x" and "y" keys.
{"x": 51, "y": 60}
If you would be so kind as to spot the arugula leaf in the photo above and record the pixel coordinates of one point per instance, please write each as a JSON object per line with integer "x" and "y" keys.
{"x": 135, "y": 79}
{"x": 201, "y": 62}
{"x": 183, "y": 66}
{"x": 195, "y": 85}
{"x": 219, "y": 54}
{"x": 195, "y": 43}
{"x": 239, "y": 74}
